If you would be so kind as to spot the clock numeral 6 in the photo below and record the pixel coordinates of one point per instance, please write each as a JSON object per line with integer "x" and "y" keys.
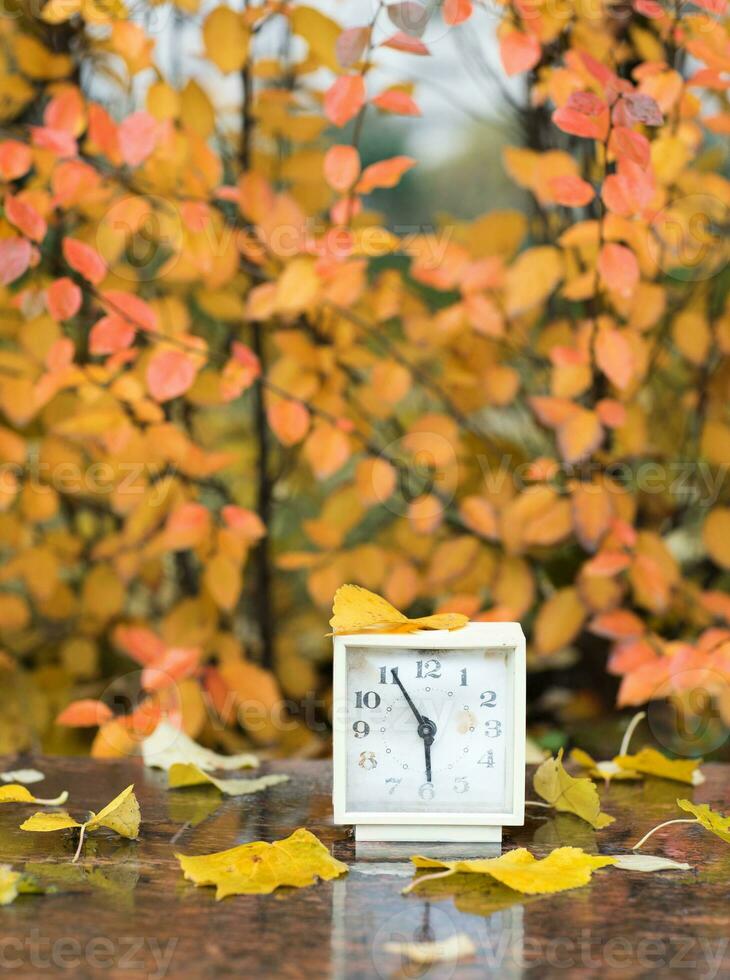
{"x": 428, "y": 668}
{"x": 367, "y": 761}
{"x": 370, "y": 699}
{"x": 489, "y": 699}
{"x": 493, "y": 728}
{"x": 427, "y": 792}
{"x": 461, "y": 785}
{"x": 361, "y": 729}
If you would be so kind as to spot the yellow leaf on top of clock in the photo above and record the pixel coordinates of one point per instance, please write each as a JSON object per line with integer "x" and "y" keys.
{"x": 357, "y": 610}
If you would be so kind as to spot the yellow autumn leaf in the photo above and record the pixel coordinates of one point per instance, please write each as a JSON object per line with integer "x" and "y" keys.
{"x": 532, "y": 277}
{"x": 357, "y": 610}
{"x": 702, "y": 814}
{"x": 226, "y": 39}
{"x": 260, "y": 868}
{"x": 9, "y": 884}
{"x": 183, "y": 774}
{"x": 457, "y": 947}
{"x": 568, "y": 793}
{"x": 167, "y": 745}
{"x": 15, "y": 793}
{"x": 562, "y": 869}
{"x": 651, "y": 762}
{"x": 320, "y": 32}
{"x": 606, "y": 769}
{"x": 121, "y": 815}
{"x": 715, "y": 822}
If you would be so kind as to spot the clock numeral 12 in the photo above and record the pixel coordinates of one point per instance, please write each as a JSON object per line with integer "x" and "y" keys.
{"x": 428, "y": 668}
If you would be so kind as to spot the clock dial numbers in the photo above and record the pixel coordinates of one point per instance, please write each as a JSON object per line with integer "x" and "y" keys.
{"x": 434, "y": 727}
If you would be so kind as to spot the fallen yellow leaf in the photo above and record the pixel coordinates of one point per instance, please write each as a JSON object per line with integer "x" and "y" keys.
{"x": 15, "y": 793}
{"x": 715, "y": 822}
{"x": 651, "y": 762}
{"x": 259, "y": 868}
{"x": 181, "y": 774}
{"x": 121, "y": 815}
{"x": 9, "y": 884}
{"x": 568, "y": 793}
{"x": 357, "y": 610}
{"x": 562, "y": 869}
{"x": 168, "y": 745}
{"x": 458, "y": 947}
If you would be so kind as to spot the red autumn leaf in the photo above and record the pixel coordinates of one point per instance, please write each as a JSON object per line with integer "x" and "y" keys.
{"x": 619, "y": 624}
{"x": 85, "y": 260}
{"x": 626, "y": 143}
{"x": 86, "y": 713}
{"x": 618, "y": 268}
{"x": 187, "y": 526}
{"x": 650, "y": 9}
{"x": 456, "y": 11}
{"x": 245, "y": 522}
{"x": 65, "y": 111}
{"x": 519, "y": 52}
{"x": 408, "y": 16}
{"x": 405, "y": 42}
{"x": 137, "y": 137}
{"x": 351, "y": 45}
{"x": 584, "y": 114}
{"x": 571, "y": 191}
{"x": 175, "y": 665}
{"x": 110, "y": 335}
{"x": 25, "y": 218}
{"x": 611, "y": 412}
{"x": 15, "y": 257}
{"x": 16, "y": 159}
{"x": 169, "y": 374}
{"x": 396, "y": 101}
{"x": 614, "y": 356}
{"x": 630, "y": 655}
{"x": 386, "y": 173}
{"x": 139, "y": 313}
{"x": 607, "y": 563}
{"x": 641, "y": 108}
{"x": 139, "y": 643}
{"x": 63, "y": 299}
{"x": 341, "y": 167}
{"x": 58, "y": 141}
{"x": 344, "y": 99}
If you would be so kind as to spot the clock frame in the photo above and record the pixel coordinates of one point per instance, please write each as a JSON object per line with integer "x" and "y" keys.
{"x": 484, "y": 827}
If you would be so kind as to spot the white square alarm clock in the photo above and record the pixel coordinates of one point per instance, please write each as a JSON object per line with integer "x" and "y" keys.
{"x": 429, "y": 733}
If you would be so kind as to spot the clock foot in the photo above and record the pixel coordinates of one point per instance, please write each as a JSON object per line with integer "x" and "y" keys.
{"x": 429, "y": 833}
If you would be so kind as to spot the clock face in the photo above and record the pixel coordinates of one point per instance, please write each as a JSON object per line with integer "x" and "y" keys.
{"x": 428, "y": 731}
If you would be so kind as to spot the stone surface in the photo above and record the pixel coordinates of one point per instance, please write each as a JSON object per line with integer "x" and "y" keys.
{"x": 126, "y": 912}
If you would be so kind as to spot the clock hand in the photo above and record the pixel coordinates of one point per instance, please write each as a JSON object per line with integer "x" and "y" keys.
{"x": 411, "y": 705}
{"x": 426, "y": 728}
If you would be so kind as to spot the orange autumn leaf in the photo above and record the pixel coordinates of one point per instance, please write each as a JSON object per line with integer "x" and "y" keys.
{"x": 63, "y": 299}
{"x": 341, "y": 167}
{"x": 519, "y": 52}
{"x": 170, "y": 373}
{"x": 85, "y": 260}
{"x": 456, "y": 11}
{"x": 572, "y": 191}
{"x": 344, "y": 99}
{"x": 618, "y": 268}
{"x": 386, "y": 173}
{"x": 85, "y": 714}
{"x": 614, "y": 356}
{"x": 397, "y": 101}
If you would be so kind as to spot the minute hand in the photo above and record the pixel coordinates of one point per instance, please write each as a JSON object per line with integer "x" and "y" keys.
{"x": 406, "y": 695}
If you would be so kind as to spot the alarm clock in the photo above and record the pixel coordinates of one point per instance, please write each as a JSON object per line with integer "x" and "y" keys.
{"x": 429, "y": 733}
